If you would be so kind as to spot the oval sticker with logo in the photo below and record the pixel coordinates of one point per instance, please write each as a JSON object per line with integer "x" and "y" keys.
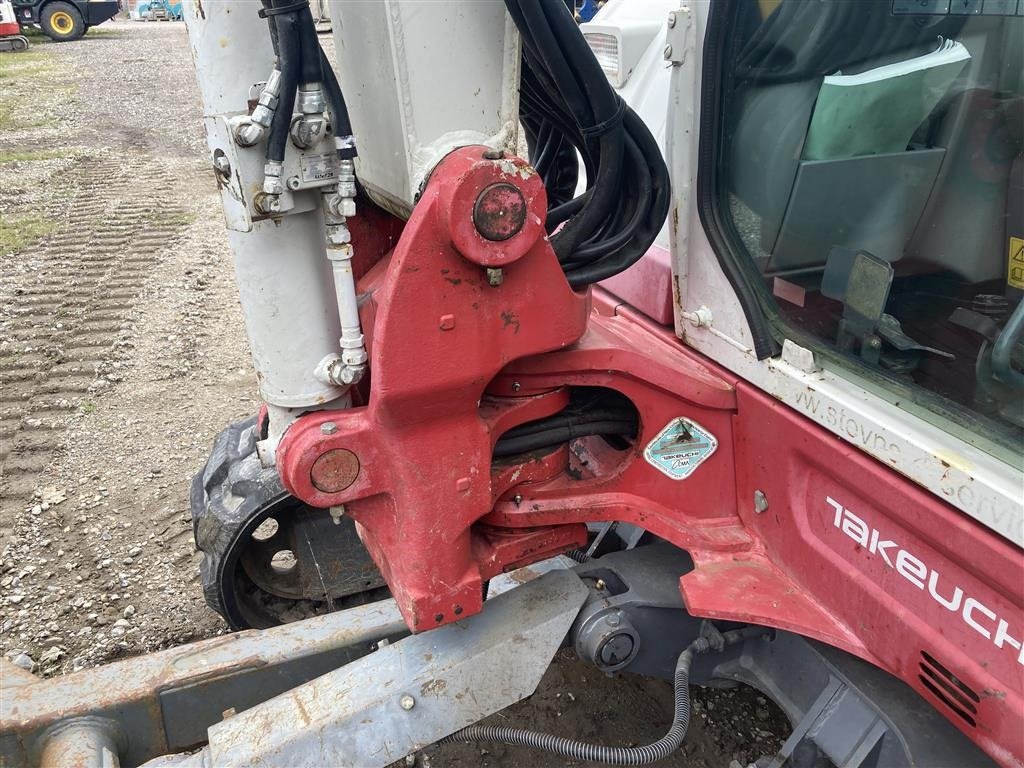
{"x": 681, "y": 447}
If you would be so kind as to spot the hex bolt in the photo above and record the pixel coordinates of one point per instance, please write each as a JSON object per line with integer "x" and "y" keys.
{"x": 600, "y": 584}
{"x": 328, "y": 428}
{"x": 760, "y": 502}
{"x": 495, "y": 277}
{"x": 407, "y": 702}
{"x": 493, "y": 154}
{"x": 516, "y": 386}
{"x": 672, "y": 20}
{"x": 222, "y": 165}
{"x": 337, "y": 513}
{"x": 612, "y": 619}
{"x": 518, "y": 499}
{"x": 668, "y": 51}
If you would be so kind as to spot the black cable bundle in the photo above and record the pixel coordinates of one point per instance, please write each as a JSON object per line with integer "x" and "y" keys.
{"x": 566, "y": 104}
{"x": 591, "y": 411}
{"x": 301, "y": 60}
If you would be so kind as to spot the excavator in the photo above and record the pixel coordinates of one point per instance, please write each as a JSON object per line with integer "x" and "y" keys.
{"x": 689, "y": 338}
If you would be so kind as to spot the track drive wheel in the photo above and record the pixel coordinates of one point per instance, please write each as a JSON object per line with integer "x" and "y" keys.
{"x": 61, "y": 21}
{"x": 268, "y": 558}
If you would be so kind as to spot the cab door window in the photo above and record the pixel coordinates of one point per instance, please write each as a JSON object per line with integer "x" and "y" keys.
{"x": 873, "y": 172}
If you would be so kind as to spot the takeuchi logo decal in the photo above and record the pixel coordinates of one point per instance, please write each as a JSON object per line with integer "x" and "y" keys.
{"x": 974, "y": 613}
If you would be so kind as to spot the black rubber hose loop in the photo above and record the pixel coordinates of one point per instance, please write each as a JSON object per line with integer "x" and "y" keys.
{"x": 599, "y": 753}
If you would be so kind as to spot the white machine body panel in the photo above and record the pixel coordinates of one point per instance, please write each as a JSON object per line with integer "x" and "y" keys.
{"x": 413, "y": 95}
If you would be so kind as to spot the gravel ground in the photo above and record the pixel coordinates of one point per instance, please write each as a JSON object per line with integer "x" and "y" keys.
{"x": 122, "y": 353}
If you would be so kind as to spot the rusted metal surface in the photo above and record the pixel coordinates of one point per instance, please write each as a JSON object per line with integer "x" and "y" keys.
{"x": 164, "y": 702}
{"x": 84, "y": 742}
{"x": 410, "y": 693}
{"x": 500, "y": 211}
{"x": 335, "y": 470}
{"x": 329, "y": 560}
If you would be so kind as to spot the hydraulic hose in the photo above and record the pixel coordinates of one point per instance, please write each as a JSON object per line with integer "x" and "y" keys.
{"x": 568, "y": 106}
{"x": 599, "y": 753}
{"x": 341, "y": 125}
{"x": 289, "y": 60}
{"x": 310, "y": 46}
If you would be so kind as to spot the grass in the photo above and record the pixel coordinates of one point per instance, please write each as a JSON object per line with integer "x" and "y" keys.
{"x": 19, "y": 230}
{"x": 181, "y": 219}
{"x": 25, "y": 104}
{"x": 32, "y": 155}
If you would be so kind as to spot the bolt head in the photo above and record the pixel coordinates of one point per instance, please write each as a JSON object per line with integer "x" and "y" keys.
{"x": 671, "y": 20}
{"x": 328, "y": 428}
{"x": 495, "y": 277}
{"x": 222, "y": 165}
{"x": 668, "y": 51}
{"x": 407, "y": 702}
{"x": 760, "y": 502}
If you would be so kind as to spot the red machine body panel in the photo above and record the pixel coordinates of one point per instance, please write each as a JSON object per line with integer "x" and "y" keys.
{"x": 847, "y": 551}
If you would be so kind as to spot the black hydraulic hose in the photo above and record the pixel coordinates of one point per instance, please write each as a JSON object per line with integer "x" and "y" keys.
{"x": 309, "y": 44}
{"x": 564, "y": 91}
{"x": 273, "y": 26}
{"x": 289, "y": 61}
{"x": 511, "y": 446}
{"x": 341, "y": 125}
{"x": 599, "y": 753}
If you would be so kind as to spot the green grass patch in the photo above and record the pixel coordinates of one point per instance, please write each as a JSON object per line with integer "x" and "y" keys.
{"x": 33, "y": 83}
{"x": 180, "y": 219}
{"x": 19, "y": 230}
{"x": 32, "y": 155}
{"x": 87, "y": 407}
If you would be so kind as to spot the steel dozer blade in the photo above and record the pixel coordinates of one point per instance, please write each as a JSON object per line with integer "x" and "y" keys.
{"x": 369, "y": 712}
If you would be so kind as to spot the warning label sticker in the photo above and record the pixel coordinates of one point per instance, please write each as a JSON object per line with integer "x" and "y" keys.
{"x": 681, "y": 447}
{"x": 318, "y": 167}
{"x": 1015, "y": 268}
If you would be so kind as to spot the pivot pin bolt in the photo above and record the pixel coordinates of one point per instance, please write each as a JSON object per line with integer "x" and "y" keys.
{"x": 499, "y": 212}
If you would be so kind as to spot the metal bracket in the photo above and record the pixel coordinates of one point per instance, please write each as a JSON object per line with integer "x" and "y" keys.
{"x": 679, "y": 37}
{"x": 410, "y": 693}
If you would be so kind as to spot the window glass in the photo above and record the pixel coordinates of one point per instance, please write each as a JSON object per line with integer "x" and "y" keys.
{"x": 873, "y": 166}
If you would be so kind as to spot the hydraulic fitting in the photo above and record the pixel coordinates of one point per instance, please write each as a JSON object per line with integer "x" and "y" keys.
{"x": 309, "y": 127}
{"x": 248, "y": 132}
{"x": 272, "y": 181}
{"x": 310, "y": 99}
{"x": 347, "y": 181}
